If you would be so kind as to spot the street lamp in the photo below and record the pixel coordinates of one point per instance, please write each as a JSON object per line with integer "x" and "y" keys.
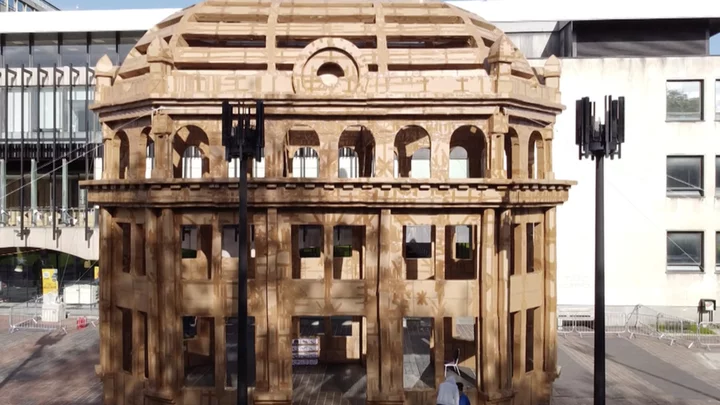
{"x": 243, "y": 142}
{"x": 599, "y": 140}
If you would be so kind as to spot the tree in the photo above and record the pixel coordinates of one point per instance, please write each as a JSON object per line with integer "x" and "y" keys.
{"x": 678, "y": 103}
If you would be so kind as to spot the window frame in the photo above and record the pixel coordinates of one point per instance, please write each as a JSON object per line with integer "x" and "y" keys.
{"x": 697, "y": 192}
{"x": 717, "y": 176}
{"x": 342, "y": 250}
{"x": 457, "y": 246}
{"x": 688, "y": 267}
{"x": 306, "y": 250}
{"x": 717, "y": 251}
{"x": 701, "y": 117}
{"x": 717, "y": 100}
{"x": 409, "y": 248}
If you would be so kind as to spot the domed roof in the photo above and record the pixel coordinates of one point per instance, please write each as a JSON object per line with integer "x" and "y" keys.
{"x": 274, "y": 35}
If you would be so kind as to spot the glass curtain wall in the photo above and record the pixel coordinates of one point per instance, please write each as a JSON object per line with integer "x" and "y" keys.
{"x": 71, "y": 113}
{"x": 65, "y": 48}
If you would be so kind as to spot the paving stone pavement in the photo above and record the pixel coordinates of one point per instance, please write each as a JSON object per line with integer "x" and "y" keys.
{"x": 49, "y": 368}
{"x": 58, "y": 369}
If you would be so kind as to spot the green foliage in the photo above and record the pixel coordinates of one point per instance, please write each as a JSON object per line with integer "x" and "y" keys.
{"x": 342, "y": 251}
{"x": 463, "y": 251}
{"x": 684, "y": 327}
{"x": 310, "y": 252}
{"x": 189, "y": 254}
{"x": 679, "y": 105}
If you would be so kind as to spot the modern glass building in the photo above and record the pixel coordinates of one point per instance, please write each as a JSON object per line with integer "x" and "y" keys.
{"x": 26, "y": 5}
{"x": 49, "y": 138}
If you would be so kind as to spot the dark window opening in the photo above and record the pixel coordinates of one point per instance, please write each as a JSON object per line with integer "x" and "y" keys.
{"x": 530, "y": 243}
{"x": 127, "y": 342}
{"x": 283, "y": 41}
{"x": 530, "y": 340}
{"x": 126, "y": 247}
{"x": 685, "y": 176}
{"x": 311, "y": 241}
{"x": 189, "y": 239}
{"x": 249, "y": 41}
{"x": 685, "y": 251}
{"x": 444, "y": 42}
{"x": 418, "y": 242}
{"x": 342, "y": 246}
{"x": 463, "y": 242}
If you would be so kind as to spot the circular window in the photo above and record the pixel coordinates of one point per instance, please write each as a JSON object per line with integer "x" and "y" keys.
{"x": 330, "y": 73}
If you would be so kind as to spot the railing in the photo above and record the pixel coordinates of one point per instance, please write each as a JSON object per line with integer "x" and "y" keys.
{"x": 51, "y": 316}
{"x": 43, "y": 217}
{"x": 640, "y": 321}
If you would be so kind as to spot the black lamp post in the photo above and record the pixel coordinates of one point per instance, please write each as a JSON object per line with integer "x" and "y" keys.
{"x": 243, "y": 142}
{"x": 598, "y": 141}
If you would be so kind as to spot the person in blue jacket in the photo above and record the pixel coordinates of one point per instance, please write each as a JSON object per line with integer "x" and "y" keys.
{"x": 464, "y": 400}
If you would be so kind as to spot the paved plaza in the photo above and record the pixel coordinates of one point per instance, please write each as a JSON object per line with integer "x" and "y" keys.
{"x": 58, "y": 369}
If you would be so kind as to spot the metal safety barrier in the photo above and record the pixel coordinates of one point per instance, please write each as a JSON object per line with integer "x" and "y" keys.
{"x": 51, "y": 316}
{"x": 640, "y": 321}
{"x": 708, "y": 334}
{"x": 33, "y": 315}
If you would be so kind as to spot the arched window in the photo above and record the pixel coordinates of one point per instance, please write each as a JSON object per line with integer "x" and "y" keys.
{"x": 149, "y": 158}
{"x": 536, "y": 162}
{"x": 420, "y": 164}
{"x": 305, "y": 163}
{"x": 396, "y": 165}
{"x": 192, "y": 163}
{"x": 258, "y": 170}
{"x": 347, "y": 163}
{"x": 459, "y": 168}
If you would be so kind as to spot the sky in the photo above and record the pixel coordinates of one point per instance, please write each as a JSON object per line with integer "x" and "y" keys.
{"x": 115, "y": 4}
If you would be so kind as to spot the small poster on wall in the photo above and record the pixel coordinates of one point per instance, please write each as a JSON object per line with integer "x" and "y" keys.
{"x": 49, "y": 281}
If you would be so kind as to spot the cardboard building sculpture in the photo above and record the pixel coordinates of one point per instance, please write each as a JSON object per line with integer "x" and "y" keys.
{"x": 407, "y": 173}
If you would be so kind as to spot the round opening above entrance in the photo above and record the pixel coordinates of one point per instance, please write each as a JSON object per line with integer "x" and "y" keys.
{"x": 330, "y": 73}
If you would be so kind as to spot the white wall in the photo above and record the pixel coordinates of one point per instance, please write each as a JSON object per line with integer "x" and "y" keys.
{"x": 637, "y": 212}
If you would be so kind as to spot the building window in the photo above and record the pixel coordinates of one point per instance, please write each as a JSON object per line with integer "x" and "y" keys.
{"x": 530, "y": 243}
{"x": 258, "y": 168}
{"x": 463, "y": 246}
{"x": 685, "y": 176}
{"x": 45, "y": 50}
{"x": 418, "y": 242}
{"x": 73, "y": 49}
{"x": 127, "y": 339}
{"x": 305, "y": 163}
{"x": 348, "y": 163}
{"x": 684, "y": 251}
{"x": 126, "y": 242}
{"x": 311, "y": 241}
{"x": 717, "y": 100}
{"x": 127, "y": 43}
{"x": 16, "y": 50}
{"x": 192, "y": 164}
{"x": 342, "y": 245}
{"x": 530, "y": 340}
{"x": 717, "y": 176}
{"x": 717, "y": 251}
{"x": 459, "y": 168}
{"x": 684, "y": 100}
{"x": 420, "y": 164}
{"x": 101, "y": 44}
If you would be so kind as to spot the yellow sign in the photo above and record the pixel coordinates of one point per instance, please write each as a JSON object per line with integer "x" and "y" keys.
{"x": 49, "y": 281}
{"x": 97, "y": 272}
